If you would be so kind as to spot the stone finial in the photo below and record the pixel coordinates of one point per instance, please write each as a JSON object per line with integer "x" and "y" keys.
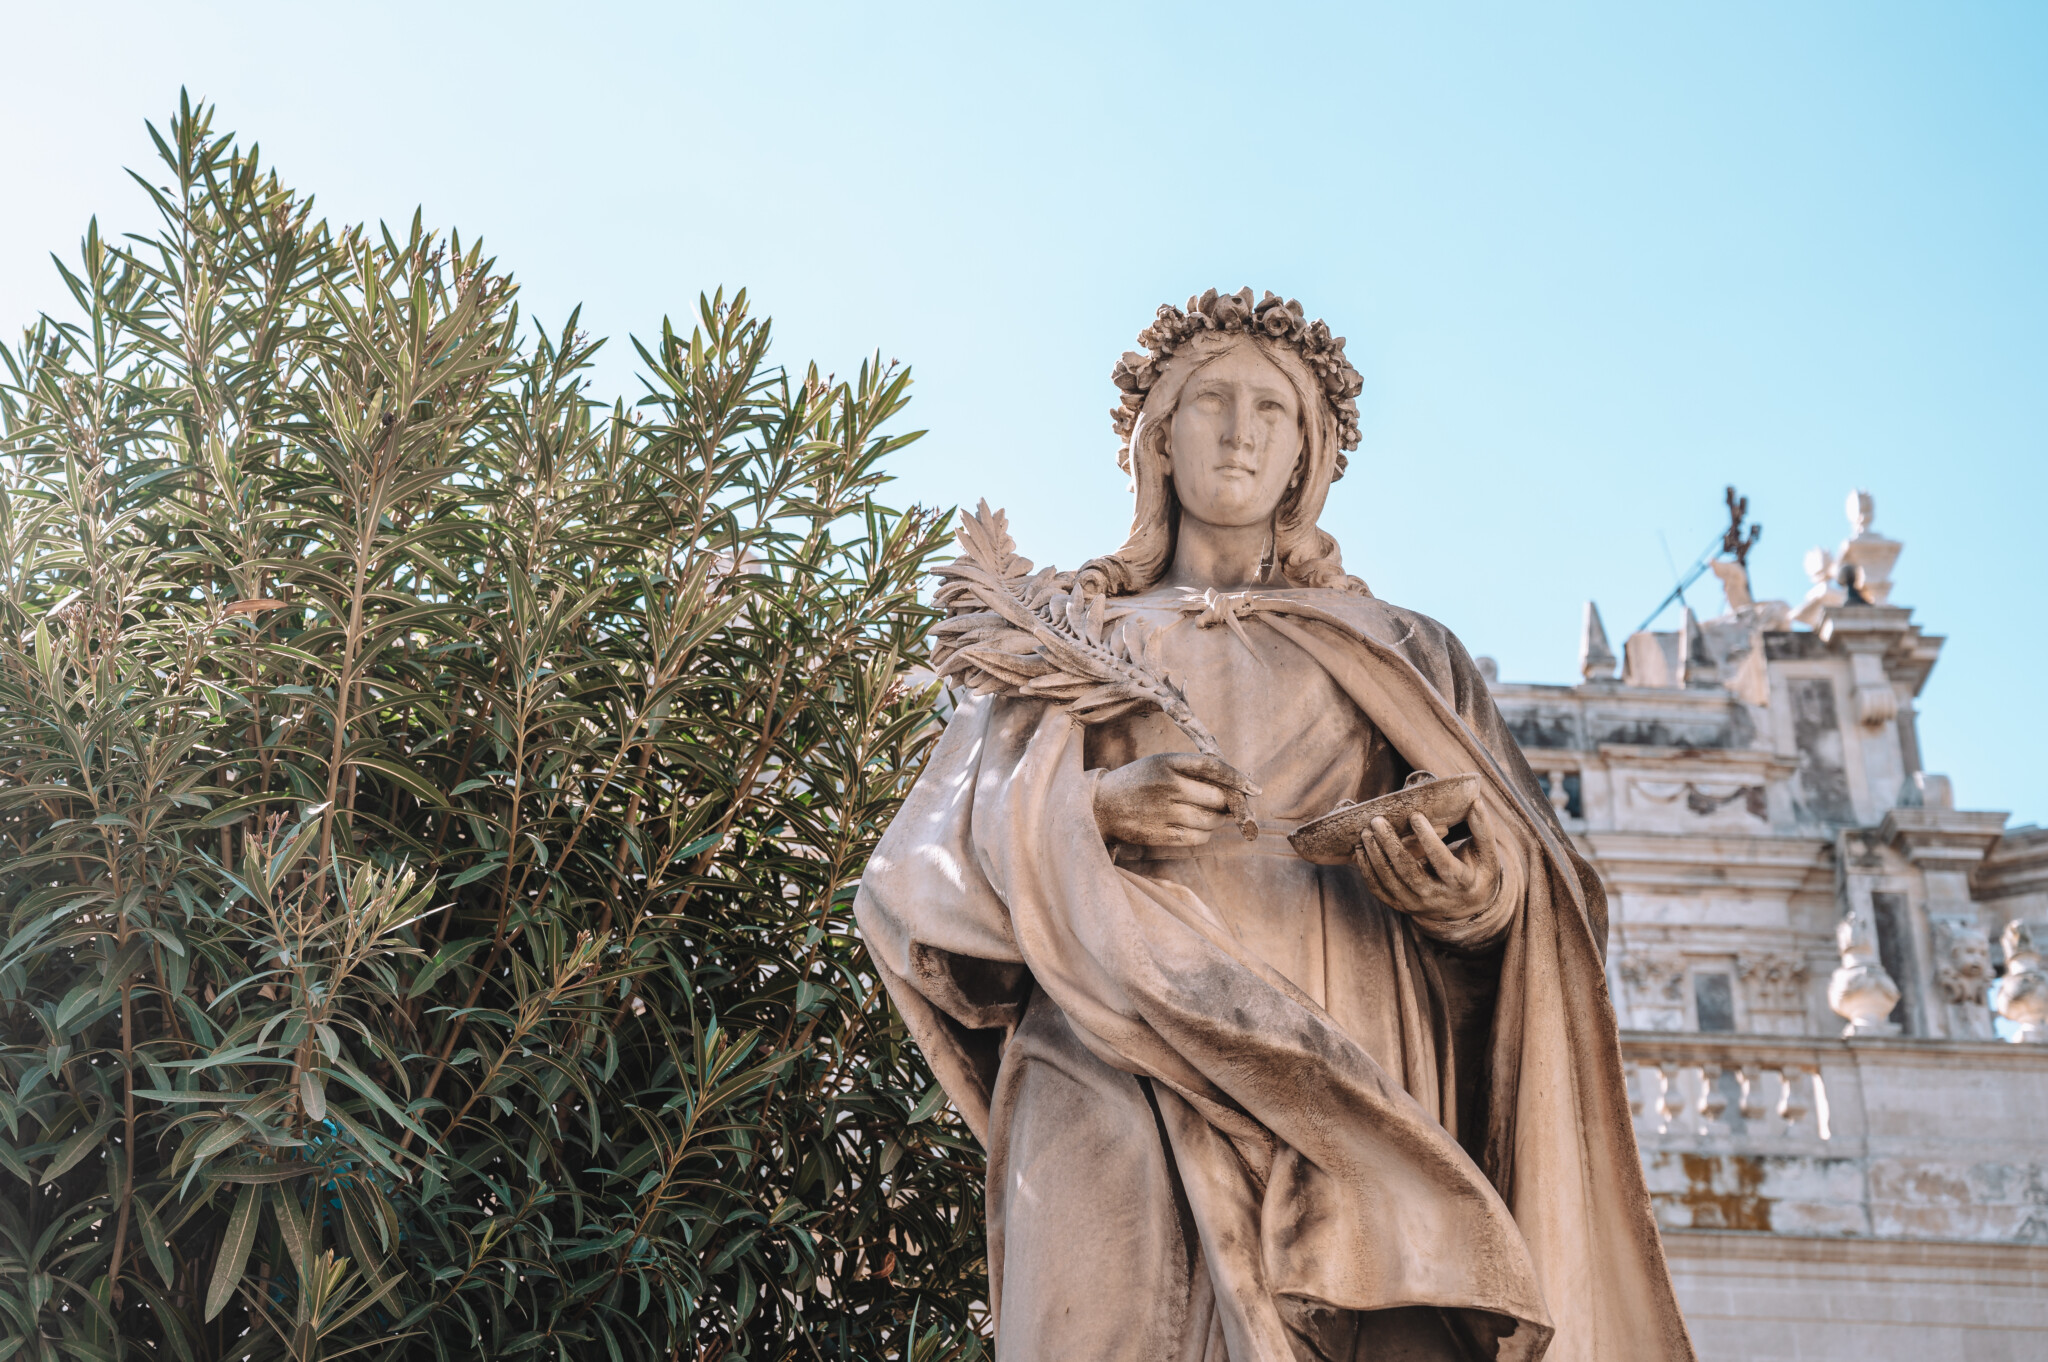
{"x": 1596, "y": 658}
{"x": 1861, "y": 991}
{"x": 1489, "y": 670}
{"x": 1870, "y": 555}
{"x": 2022, "y": 995}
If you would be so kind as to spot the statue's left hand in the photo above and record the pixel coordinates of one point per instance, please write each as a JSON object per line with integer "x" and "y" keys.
{"x": 1433, "y": 881}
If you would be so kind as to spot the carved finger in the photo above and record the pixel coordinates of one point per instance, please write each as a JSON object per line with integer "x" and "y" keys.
{"x": 1449, "y": 868}
{"x": 1212, "y": 770}
{"x": 1401, "y": 866}
{"x": 1378, "y": 873}
{"x": 1196, "y": 816}
{"x": 1199, "y": 793}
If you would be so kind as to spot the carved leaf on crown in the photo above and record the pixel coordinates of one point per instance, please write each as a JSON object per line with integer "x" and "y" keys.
{"x": 1011, "y": 631}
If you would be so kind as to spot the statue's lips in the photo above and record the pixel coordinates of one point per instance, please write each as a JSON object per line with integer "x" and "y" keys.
{"x": 1333, "y": 838}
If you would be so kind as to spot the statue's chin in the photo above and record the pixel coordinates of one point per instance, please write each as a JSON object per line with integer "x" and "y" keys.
{"x": 1231, "y": 514}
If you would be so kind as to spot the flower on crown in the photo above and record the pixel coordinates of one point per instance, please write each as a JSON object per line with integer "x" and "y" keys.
{"x": 1271, "y": 317}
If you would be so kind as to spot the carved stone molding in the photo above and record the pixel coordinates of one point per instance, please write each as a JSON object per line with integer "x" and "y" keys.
{"x": 1653, "y": 987}
{"x": 1774, "y": 983}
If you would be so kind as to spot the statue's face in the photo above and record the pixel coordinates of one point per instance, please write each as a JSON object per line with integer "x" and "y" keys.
{"x": 1235, "y": 439}
{"x": 1973, "y": 959}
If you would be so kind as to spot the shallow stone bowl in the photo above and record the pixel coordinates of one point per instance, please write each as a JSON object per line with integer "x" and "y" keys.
{"x": 1331, "y": 839}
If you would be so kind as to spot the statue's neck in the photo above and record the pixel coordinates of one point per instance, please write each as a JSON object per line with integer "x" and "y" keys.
{"x": 1217, "y": 557}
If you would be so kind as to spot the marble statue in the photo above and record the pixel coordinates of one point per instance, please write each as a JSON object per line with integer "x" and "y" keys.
{"x": 1239, "y": 1104}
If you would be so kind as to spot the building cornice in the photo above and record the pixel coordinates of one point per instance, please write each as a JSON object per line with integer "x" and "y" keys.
{"x": 1942, "y": 839}
{"x": 1692, "y": 861}
{"x": 1731, "y": 1049}
{"x": 2017, "y": 865}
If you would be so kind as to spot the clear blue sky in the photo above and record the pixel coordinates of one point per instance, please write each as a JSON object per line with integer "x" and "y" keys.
{"x": 1595, "y": 261}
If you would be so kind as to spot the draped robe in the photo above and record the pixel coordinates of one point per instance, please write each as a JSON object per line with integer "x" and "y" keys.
{"x": 1235, "y": 1107}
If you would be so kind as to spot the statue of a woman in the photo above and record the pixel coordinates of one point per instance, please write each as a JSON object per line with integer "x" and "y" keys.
{"x": 1238, "y": 1105}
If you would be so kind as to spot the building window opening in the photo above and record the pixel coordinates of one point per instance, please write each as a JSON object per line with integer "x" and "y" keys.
{"x": 1892, "y": 952}
{"x": 1713, "y": 997}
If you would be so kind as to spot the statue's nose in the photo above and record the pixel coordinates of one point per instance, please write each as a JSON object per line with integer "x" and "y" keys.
{"x": 1240, "y": 429}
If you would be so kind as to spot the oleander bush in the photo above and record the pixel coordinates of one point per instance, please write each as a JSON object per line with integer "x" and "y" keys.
{"x": 430, "y": 806}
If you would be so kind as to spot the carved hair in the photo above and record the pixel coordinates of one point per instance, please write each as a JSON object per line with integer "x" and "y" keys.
{"x": 1303, "y": 555}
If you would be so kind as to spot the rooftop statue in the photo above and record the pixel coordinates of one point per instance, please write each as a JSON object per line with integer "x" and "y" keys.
{"x": 1240, "y": 932}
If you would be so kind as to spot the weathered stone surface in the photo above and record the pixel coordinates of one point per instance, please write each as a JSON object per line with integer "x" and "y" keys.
{"x": 1879, "y": 1197}
{"x": 1788, "y": 1298}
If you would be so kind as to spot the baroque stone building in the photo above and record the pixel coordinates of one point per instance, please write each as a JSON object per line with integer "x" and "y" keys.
{"x": 1829, "y": 976}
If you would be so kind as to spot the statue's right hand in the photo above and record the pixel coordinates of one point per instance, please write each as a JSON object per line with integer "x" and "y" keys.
{"x": 1170, "y": 799}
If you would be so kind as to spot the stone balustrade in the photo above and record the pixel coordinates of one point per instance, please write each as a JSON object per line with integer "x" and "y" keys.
{"x": 1881, "y": 1137}
{"x": 1681, "y": 1098}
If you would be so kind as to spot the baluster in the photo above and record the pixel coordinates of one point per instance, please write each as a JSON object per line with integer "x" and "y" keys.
{"x": 1713, "y": 1102}
{"x": 1750, "y": 1103}
{"x": 1633, "y": 1076}
{"x": 1670, "y": 1101}
{"x": 1794, "y": 1106}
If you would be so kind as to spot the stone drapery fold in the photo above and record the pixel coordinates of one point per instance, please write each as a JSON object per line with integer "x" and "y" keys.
{"x": 1316, "y": 1181}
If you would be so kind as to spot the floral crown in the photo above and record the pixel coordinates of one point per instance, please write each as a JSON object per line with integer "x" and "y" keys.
{"x": 1270, "y": 317}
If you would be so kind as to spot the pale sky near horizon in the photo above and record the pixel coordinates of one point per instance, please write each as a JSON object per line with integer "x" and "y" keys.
{"x": 1594, "y": 260}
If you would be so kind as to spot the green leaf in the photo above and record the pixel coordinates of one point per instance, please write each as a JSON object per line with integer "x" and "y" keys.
{"x": 235, "y": 810}
{"x": 153, "y": 1241}
{"x": 926, "y": 1105}
{"x": 295, "y": 1225}
{"x": 495, "y": 862}
{"x": 312, "y": 1095}
{"x": 76, "y": 1148}
{"x": 420, "y": 788}
{"x": 444, "y": 960}
{"x": 234, "y": 1251}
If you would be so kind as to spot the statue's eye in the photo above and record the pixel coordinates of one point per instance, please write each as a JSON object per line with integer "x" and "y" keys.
{"x": 1209, "y": 402}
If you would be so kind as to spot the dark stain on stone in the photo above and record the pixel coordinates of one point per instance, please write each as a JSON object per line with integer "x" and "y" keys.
{"x": 1722, "y": 1192}
{"x": 1821, "y": 786}
{"x": 1534, "y": 729}
{"x": 1793, "y": 647}
{"x": 1657, "y": 733}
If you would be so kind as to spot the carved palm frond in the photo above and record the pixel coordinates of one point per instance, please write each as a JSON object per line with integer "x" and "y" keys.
{"x": 1012, "y": 631}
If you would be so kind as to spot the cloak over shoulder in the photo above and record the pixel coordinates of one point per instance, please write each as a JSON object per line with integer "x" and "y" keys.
{"x": 1323, "y": 1182}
